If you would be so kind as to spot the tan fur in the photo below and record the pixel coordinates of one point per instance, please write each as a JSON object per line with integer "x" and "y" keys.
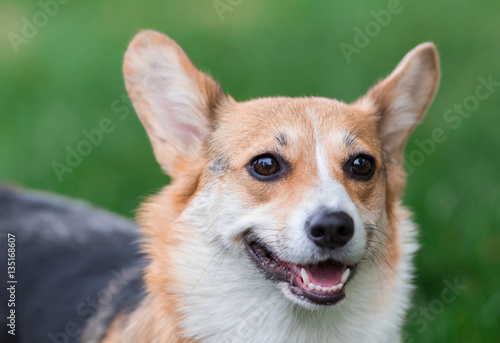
{"x": 153, "y": 322}
{"x": 115, "y": 330}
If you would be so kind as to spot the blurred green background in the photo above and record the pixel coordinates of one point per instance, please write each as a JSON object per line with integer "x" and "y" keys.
{"x": 66, "y": 77}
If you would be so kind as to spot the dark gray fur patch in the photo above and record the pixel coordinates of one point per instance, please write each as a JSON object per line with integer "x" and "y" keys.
{"x": 219, "y": 165}
{"x": 281, "y": 138}
{"x": 350, "y": 139}
{"x": 123, "y": 295}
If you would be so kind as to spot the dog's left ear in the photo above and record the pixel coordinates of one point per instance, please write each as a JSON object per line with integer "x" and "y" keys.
{"x": 175, "y": 102}
{"x": 401, "y": 100}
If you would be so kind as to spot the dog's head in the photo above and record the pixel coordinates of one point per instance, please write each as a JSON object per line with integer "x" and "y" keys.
{"x": 305, "y": 188}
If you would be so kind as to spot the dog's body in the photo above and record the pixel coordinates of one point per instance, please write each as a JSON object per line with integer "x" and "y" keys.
{"x": 283, "y": 221}
{"x": 71, "y": 262}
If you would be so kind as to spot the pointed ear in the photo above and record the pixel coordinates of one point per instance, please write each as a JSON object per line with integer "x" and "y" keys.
{"x": 401, "y": 100}
{"x": 175, "y": 102}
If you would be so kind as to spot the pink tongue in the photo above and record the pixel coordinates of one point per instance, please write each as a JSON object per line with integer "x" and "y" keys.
{"x": 325, "y": 274}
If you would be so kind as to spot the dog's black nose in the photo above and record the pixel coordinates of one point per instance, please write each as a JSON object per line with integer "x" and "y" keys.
{"x": 330, "y": 230}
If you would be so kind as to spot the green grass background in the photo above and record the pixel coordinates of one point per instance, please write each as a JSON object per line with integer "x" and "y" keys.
{"x": 66, "y": 78}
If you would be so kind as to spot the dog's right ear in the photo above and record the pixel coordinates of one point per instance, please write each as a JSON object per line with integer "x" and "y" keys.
{"x": 175, "y": 101}
{"x": 400, "y": 101}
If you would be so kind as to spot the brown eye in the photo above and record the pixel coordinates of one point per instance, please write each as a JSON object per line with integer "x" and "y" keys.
{"x": 360, "y": 167}
{"x": 265, "y": 166}
{"x": 268, "y": 167}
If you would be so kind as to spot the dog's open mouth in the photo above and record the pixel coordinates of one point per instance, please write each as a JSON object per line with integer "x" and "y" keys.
{"x": 321, "y": 284}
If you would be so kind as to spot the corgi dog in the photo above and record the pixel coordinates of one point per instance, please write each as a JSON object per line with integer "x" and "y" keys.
{"x": 283, "y": 221}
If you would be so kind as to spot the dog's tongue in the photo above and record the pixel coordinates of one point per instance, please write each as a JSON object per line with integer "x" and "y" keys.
{"x": 325, "y": 274}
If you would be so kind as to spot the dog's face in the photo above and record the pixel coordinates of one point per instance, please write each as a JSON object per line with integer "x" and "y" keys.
{"x": 302, "y": 187}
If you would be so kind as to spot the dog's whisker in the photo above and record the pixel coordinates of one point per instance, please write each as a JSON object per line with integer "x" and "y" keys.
{"x": 381, "y": 255}
{"x": 382, "y": 244}
{"x": 218, "y": 267}
{"x": 219, "y": 251}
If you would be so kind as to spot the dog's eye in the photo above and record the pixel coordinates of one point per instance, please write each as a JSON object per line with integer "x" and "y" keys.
{"x": 265, "y": 167}
{"x": 361, "y": 167}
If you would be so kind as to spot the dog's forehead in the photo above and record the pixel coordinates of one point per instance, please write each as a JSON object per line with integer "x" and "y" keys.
{"x": 288, "y": 111}
{"x": 275, "y": 123}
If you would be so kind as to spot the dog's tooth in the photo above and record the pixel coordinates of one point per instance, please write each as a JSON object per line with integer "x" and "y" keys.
{"x": 305, "y": 277}
{"x": 311, "y": 286}
{"x": 318, "y": 288}
{"x": 339, "y": 286}
{"x": 334, "y": 289}
{"x": 345, "y": 275}
{"x": 325, "y": 289}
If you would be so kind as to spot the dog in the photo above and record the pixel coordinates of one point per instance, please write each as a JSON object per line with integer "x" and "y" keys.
{"x": 283, "y": 221}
